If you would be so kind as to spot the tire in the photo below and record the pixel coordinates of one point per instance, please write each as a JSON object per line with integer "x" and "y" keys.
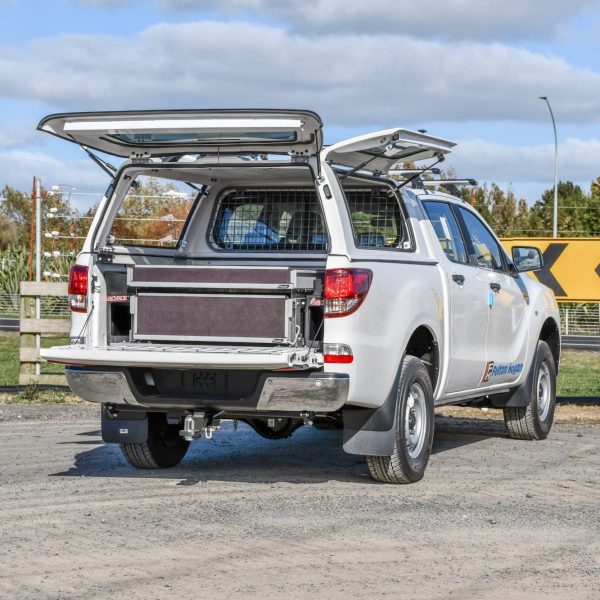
{"x": 534, "y": 421}
{"x": 283, "y": 428}
{"x": 414, "y": 426}
{"x": 163, "y": 448}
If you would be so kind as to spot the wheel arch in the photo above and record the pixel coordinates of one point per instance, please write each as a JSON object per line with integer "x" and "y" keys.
{"x": 550, "y": 333}
{"x": 423, "y": 345}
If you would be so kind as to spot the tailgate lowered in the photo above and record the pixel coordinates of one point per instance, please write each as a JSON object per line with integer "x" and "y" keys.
{"x": 184, "y": 356}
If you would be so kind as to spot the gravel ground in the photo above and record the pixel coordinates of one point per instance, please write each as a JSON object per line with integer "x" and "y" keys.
{"x": 245, "y": 517}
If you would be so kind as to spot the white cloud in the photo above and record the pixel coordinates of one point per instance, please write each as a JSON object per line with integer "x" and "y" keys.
{"x": 15, "y": 136}
{"x": 449, "y": 19}
{"x": 578, "y": 161}
{"x": 21, "y": 166}
{"x": 369, "y": 80}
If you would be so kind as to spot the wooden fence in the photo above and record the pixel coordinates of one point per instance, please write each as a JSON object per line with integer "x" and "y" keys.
{"x": 33, "y": 329}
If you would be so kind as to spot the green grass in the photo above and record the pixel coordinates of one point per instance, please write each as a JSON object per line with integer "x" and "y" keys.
{"x": 9, "y": 357}
{"x": 579, "y": 374}
{"x": 579, "y": 371}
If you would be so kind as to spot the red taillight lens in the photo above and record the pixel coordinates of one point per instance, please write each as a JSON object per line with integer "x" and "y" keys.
{"x": 78, "y": 288}
{"x": 337, "y": 353}
{"x": 338, "y": 359}
{"x": 345, "y": 290}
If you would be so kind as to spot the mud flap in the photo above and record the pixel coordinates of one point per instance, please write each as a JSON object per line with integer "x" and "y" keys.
{"x": 520, "y": 396}
{"x": 372, "y": 431}
{"x": 128, "y": 426}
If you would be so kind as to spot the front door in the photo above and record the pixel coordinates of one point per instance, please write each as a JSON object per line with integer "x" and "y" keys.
{"x": 507, "y": 331}
{"x": 468, "y": 311}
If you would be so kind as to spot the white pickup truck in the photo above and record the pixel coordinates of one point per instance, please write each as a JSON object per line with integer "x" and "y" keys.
{"x": 300, "y": 286}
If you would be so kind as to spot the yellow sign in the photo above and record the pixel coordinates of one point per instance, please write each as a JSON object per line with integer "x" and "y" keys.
{"x": 571, "y": 266}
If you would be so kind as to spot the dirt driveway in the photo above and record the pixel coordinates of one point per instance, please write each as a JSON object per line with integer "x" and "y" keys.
{"x": 245, "y": 517}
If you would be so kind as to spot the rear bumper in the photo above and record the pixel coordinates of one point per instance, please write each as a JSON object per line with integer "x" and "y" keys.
{"x": 268, "y": 392}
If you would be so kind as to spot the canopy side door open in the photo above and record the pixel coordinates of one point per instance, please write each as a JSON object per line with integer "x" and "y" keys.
{"x": 378, "y": 151}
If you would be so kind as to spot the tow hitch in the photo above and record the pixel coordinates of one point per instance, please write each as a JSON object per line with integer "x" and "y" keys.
{"x": 198, "y": 423}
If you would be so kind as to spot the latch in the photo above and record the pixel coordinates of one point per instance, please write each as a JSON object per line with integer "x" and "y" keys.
{"x": 306, "y": 360}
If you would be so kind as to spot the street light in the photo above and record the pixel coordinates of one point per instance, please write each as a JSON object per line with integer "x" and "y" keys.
{"x": 555, "y": 213}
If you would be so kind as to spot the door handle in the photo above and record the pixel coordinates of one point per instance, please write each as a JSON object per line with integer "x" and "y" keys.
{"x": 495, "y": 287}
{"x": 460, "y": 279}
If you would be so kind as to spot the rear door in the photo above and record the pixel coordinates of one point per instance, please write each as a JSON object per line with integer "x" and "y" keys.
{"x": 175, "y": 132}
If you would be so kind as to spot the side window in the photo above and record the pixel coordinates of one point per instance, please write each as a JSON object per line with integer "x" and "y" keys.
{"x": 447, "y": 230}
{"x": 487, "y": 251}
{"x": 153, "y": 213}
{"x": 376, "y": 218}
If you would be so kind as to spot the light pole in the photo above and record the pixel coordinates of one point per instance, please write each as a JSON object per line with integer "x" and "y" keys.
{"x": 555, "y": 212}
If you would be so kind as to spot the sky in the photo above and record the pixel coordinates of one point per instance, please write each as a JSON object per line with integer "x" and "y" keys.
{"x": 467, "y": 70}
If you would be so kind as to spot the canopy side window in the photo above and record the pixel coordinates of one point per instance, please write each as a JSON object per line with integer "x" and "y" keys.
{"x": 376, "y": 217}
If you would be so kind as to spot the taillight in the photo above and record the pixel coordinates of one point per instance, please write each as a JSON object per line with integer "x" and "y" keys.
{"x": 337, "y": 353}
{"x": 345, "y": 290}
{"x": 78, "y": 288}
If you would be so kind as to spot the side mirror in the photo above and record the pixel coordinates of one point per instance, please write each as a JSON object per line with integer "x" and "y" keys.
{"x": 526, "y": 258}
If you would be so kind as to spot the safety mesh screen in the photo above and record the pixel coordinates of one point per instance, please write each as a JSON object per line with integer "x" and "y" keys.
{"x": 282, "y": 220}
{"x": 376, "y": 218}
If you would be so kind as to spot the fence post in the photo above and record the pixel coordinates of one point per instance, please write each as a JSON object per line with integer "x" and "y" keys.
{"x": 567, "y": 321}
{"x": 27, "y": 370}
{"x": 32, "y": 328}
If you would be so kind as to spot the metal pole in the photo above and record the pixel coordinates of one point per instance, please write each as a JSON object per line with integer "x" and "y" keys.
{"x": 555, "y": 212}
{"x": 38, "y": 260}
{"x": 38, "y": 231}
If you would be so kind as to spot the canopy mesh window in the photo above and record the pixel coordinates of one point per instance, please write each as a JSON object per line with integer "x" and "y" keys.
{"x": 376, "y": 218}
{"x": 281, "y": 220}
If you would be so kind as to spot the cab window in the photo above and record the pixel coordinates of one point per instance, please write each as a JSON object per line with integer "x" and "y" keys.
{"x": 486, "y": 250}
{"x": 447, "y": 230}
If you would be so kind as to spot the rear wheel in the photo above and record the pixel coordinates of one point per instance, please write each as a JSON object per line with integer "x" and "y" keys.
{"x": 163, "y": 448}
{"x": 414, "y": 428}
{"x": 534, "y": 421}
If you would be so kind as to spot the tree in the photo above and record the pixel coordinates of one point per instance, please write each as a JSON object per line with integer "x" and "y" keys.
{"x": 592, "y": 215}
{"x": 573, "y": 204}
{"x": 16, "y": 212}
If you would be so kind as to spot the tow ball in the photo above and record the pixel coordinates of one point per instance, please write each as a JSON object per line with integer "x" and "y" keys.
{"x": 198, "y": 423}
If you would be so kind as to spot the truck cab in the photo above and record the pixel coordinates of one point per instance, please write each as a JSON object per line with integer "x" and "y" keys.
{"x": 238, "y": 269}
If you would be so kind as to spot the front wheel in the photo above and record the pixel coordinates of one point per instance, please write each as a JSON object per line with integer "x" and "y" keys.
{"x": 163, "y": 448}
{"x": 534, "y": 421}
{"x": 413, "y": 428}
